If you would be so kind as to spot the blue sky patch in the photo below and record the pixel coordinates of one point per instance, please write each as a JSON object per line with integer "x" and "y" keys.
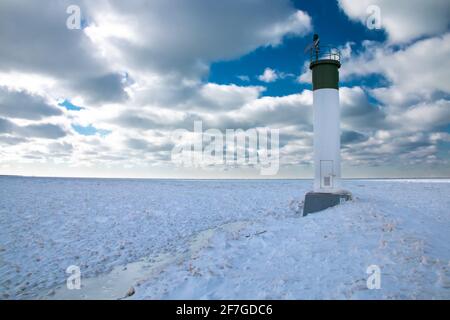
{"x": 69, "y": 106}
{"x": 89, "y": 130}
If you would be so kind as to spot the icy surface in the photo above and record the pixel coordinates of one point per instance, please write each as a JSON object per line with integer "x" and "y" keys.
{"x": 222, "y": 239}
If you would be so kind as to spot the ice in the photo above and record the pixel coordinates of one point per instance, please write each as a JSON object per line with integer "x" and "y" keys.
{"x": 222, "y": 239}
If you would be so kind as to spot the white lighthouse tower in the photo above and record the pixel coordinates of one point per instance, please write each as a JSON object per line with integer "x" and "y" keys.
{"x": 327, "y": 192}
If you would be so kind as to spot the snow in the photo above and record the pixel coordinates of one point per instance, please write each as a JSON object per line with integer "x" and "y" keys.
{"x": 222, "y": 239}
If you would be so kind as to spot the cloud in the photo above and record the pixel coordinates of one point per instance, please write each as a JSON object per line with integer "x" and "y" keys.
{"x": 214, "y": 96}
{"x": 6, "y": 126}
{"x": 272, "y": 112}
{"x": 269, "y": 75}
{"x": 36, "y": 40}
{"x": 409, "y": 110}
{"x": 358, "y": 113}
{"x": 10, "y": 140}
{"x": 205, "y": 31}
{"x": 348, "y": 137}
{"x": 147, "y": 146}
{"x": 164, "y": 60}
{"x": 371, "y": 133}
{"x": 272, "y": 75}
{"x": 135, "y": 143}
{"x": 20, "y": 104}
{"x": 425, "y": 116}
{"x": 298, "y": 23}
{"x": 60, "y": 148}
{"x": 415, "y": 72}
{"x": 403, "y": 20}
{"x": 36, "y": 44}
{"x": 140, "y": 36}
{"x": 243, "y": 78}
{"x": 44, "y": 130}
{"x": 102, "y": 89}
{"x": 294, "y": 109}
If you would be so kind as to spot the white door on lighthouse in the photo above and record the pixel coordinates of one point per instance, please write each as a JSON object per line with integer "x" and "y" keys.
{"x": 326, "y": 174}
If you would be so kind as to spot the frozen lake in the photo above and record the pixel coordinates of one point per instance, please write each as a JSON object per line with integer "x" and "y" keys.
{"x": 224, "y": 238}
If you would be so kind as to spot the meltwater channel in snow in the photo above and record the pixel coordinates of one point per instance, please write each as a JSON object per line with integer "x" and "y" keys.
{"x": 221, "y": 239}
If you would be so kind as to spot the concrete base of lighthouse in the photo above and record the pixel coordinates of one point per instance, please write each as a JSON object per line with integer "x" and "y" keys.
{"x": 318, "y": 201}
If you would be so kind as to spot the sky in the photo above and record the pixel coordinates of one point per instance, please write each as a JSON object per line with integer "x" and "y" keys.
{"x": 105, "y": 99}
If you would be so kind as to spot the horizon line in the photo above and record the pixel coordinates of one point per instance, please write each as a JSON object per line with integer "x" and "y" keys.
{"x": 168, "y": 178}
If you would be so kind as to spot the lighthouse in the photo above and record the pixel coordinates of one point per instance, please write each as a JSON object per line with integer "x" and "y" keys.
{"x": 327, "y": 192}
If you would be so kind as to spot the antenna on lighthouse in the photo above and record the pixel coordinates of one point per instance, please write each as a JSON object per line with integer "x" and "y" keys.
{"x": 316, "y": 40}
{"x": 314, "y": 44}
